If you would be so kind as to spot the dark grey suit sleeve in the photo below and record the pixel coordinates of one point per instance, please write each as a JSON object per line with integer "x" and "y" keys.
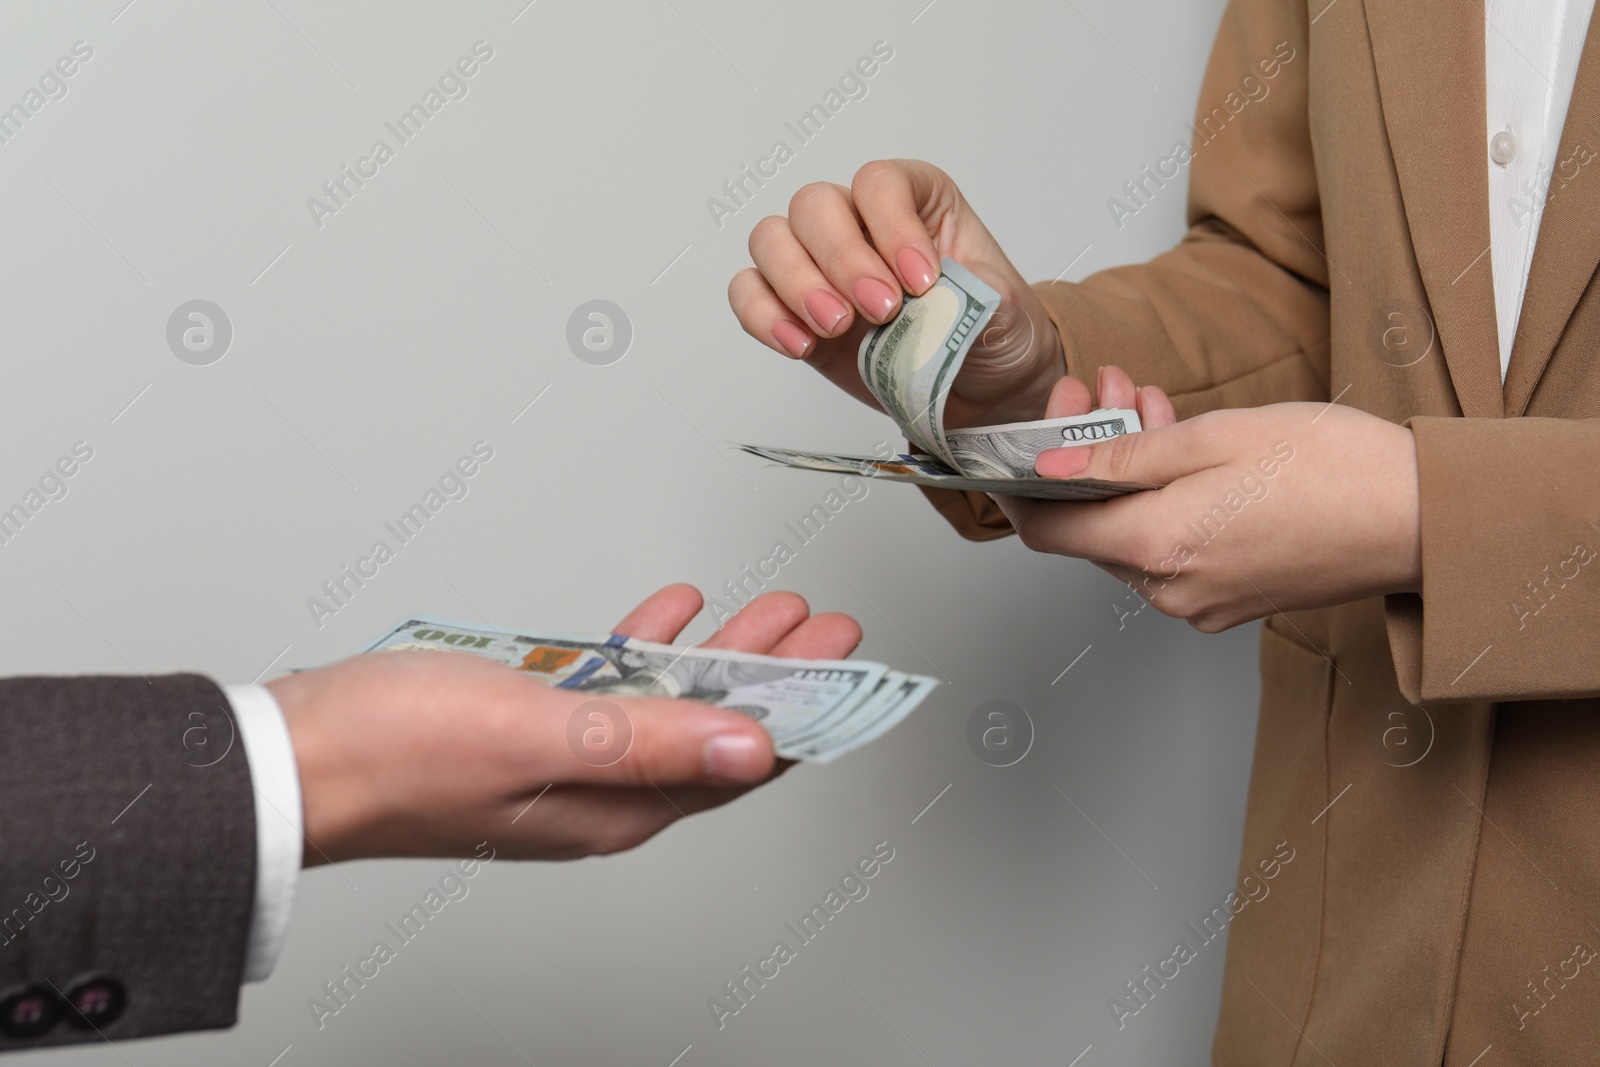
{"x": 127, "y": 859}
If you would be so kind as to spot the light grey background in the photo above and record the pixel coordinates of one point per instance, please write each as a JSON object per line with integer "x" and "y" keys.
{"x": 370, "y": 353}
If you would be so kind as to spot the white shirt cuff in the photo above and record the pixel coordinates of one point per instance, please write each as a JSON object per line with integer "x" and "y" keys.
{"x": 279, "y": 823}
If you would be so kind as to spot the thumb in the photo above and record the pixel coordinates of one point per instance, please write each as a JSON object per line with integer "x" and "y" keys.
{"x": 630, "y": 741}
{"x": 1150, "y": 458}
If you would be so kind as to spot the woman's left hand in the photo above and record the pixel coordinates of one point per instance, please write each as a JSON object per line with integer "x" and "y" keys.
{"x": 1259, "y": 510}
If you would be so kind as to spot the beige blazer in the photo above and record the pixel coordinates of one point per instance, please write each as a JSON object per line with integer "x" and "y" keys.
{"x": 1433, "y": 760}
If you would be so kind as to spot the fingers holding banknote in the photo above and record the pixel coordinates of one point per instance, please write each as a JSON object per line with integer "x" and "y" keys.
{"x": 1112, "y": 388}
{"x": 1256, "y": 510}
{"x": 417, "y": 753}
{"x": 773, "y": 624}
{"x": 843, "y": 260}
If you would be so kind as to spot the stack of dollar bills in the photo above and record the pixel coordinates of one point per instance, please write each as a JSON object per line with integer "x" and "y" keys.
{"x": 814, "y": 709}
{"x": 910, "y": 363}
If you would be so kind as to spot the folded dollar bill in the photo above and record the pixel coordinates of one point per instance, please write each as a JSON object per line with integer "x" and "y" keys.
{"x": 814, "y": 709}
{"x": 910, "y": 363}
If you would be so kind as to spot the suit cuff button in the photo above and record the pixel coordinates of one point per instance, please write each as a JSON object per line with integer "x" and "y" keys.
{"x": 95, "y": 1002}
{"x": 29, "y": 1011}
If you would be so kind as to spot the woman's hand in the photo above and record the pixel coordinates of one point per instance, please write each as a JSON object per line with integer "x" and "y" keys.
{"x": 1259, "y": 510}
{"x": 842, "y": 260}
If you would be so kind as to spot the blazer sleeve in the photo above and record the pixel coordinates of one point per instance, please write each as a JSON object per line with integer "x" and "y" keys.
{"x": 1237, "y": 314}
{"x": 127, "y": 859}
{"x": 1510, "y": 603}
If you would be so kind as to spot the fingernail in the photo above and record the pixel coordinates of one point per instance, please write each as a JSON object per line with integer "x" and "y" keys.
{"x": 1099, "y": 375}
{"x": 875, "y": 298}
{"x": 826, "y": 309}
{"x": 915, "y": 270}
{"x": 794, "y": 340}
{"x": 1061, "y": 462}
{"x": 735, "y": 757}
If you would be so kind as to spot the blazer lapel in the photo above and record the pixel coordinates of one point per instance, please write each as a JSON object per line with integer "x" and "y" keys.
{"x": 1429, "y": 56}
{"x": 1568, "y": 248}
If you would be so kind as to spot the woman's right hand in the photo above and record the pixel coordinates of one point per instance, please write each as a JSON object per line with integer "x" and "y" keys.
{"x": 841, "y": 262}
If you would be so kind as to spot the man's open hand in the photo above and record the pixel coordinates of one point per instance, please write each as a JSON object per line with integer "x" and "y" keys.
{"x": 429, "y": 753}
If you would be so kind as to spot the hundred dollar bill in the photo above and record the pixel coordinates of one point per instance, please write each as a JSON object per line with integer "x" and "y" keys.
{"x": 899, "y": 695}
{"x": 793, "y": 699}
{"x": 910, "y": 363}
{"x": 1009, "y": 450}
{"x": 925, "y": 470}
